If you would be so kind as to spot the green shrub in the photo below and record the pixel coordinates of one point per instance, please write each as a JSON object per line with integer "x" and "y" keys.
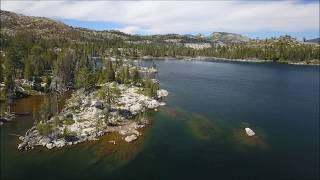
{"x": 57, "y": 121}
{"x": 150, "y": 87}
{"x": 115, "y": 91}
{"x": 68, "y": 121}
{"x": 44, "y": 128}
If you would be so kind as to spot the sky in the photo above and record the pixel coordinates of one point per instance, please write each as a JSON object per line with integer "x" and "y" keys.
{"x": 256, "y": 19}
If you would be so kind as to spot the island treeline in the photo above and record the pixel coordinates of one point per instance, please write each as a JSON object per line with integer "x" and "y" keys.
{"x": 31, "y": 65}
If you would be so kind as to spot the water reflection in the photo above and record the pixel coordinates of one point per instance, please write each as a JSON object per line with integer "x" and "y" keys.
{"x": 33, "y": 102}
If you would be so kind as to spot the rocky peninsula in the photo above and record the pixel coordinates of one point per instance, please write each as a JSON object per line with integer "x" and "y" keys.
{"x": 91, "y": 113}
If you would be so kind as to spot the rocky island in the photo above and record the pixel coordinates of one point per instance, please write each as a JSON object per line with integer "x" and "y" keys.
{"x": 88, "y": 114}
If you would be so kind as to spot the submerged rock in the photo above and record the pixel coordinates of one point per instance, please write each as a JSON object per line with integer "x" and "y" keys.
{"x": 250, "y": 132}
{"x": 131, "y": 138}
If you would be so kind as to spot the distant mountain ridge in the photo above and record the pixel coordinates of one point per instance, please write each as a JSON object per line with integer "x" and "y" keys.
{"x": 12, "y": 23}
{"x": 316, "y": 40}
{"x": 229, "y": 38}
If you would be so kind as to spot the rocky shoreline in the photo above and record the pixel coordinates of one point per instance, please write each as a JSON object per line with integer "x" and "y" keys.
{"x": 89, "y": 114}
{"x": 6, "y": 117}
{"x": 253, "y": 60}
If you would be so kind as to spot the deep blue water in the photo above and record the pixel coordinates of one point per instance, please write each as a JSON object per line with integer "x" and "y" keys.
{"x": 200, "y": 133}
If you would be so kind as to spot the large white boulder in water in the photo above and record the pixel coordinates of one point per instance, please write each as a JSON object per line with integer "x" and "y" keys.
{"x": 162, "y": 93}
{"x": 249, "y": 132}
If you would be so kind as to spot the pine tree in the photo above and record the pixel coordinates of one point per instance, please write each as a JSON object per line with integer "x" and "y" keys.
{"x": 136, "y": 76}
{"x": 9, "y": 74}
{"x": 85, "y": 78}
{"x": 111, "y": 73}
{"x": 1, "y": 68}
{"x": 28, "y": 69}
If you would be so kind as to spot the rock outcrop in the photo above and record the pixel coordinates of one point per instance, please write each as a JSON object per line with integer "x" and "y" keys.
{"x": 88, "y": 116}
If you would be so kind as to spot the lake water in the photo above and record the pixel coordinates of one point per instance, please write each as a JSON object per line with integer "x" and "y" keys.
{"x": 200, "y": 133}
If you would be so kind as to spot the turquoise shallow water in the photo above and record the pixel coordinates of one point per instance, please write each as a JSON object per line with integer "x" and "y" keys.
{"x": 200, "y": 133}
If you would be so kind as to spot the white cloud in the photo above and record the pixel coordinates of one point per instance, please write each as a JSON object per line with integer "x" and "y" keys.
{"x": 181, "y": 16}
{"x": 130, "y": 29}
